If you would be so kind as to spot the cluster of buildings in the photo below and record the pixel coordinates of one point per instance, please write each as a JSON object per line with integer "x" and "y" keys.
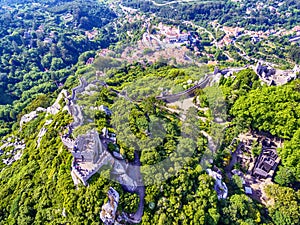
{"x": 47, "y": 40}
{"x": 273, "y": 76}
{"x": 296, "y": 34}
{"x": 261, "y": 165}
{"x": 274, "y": 8}
{"x": 91, "y": 34}
{"x": 267, "y": 161}
{"x": 6, "y": 7}
{"x": 172, "y": 34}
{"x": 134, "y": 17}
{"x": 295, "y": 30}
{"x": 104, "y": 52}
{"x": 230, "y": 34}
{"x": 260, "y": 169}
{"x": 68, "y": 17}
{"x": 163, "y": 36}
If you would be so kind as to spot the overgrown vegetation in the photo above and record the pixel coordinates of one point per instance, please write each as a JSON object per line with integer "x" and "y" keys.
{"x": 40, "y": 44}
{"x": 44, "y": 46}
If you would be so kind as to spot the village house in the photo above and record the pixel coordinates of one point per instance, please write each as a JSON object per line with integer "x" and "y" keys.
{"x": 68, "y": 17}
{"x": 90, "y": 61}
{"x": 233, "y": 31}
{"x": 48, "y": 40}
{"x": 172, "y": 34}
{"x": 104, "y": 52}
{"x": 91, "y": 34}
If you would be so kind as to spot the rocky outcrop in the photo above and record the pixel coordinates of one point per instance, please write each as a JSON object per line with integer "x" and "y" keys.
{"x": 31, "y": 116}
{"x": 108, "y": 213}
{"x": 42, "y": 132}
{"x": 13, "y": 155}
{"x": 220, "y": 187}
{"x": 54, "y": 109}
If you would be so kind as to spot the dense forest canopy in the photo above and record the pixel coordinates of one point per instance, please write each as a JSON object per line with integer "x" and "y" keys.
{"x": 269, "y": 109}
{"x": 45, "y": 46}
{"x": 40, "y": 44}
{"x": 190, "y": 187}
{"x": 185, "y": 197}
{"x": 228, "y": 12}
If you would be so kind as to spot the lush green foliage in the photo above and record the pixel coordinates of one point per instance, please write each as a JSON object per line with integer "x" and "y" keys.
{"x": 272, "y": 109}
{"x": 290, "y": 160}
{"x": 295, "y": 54}
{"x": 241, "y": 210}
{"x": 39, "y": 187}
{"x": 269, "y": 109}
{"x": 286, "y": 208}
{"x": 39, "y": 45}
{"x": 226, "y": 12}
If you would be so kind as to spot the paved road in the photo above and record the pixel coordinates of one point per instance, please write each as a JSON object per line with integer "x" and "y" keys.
{"x": 244, "y": 55}
{"x": 140, "y": 191}
{"x": 228, "y": 56}
{"x": 202, "y": 28}
{"x": 173, "y": 2}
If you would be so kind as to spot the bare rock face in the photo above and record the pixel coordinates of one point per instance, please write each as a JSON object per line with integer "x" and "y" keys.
{"x": 54, "y": 109}
{"x": 16, "y": 153}
{"x": 220, "y": 187}
{"x": 31, "y": 116}
{"x": 42, "y": 132}
{"x": 108, "y": 213}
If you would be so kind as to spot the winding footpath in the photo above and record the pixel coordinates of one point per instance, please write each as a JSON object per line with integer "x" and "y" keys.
{"x": 140, "y": 190}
